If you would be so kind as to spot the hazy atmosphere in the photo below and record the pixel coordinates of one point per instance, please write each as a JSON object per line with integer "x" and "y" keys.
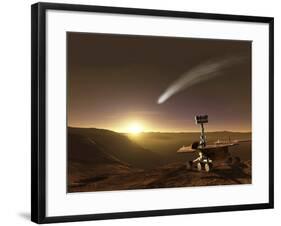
{"x": 118, "y": 82}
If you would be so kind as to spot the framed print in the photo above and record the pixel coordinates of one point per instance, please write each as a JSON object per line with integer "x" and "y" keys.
{"x": 139, "y": 112}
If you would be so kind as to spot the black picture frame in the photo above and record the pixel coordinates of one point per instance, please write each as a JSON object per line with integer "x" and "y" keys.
{"x": 38, "y": 111}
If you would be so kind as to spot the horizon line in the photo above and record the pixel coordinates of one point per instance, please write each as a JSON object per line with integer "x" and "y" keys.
{"x": 197, "y": 131}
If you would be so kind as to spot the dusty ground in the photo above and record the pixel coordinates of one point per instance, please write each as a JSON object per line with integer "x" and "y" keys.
{"x": 103, "y": 160}
{"x": 171, "y": 175}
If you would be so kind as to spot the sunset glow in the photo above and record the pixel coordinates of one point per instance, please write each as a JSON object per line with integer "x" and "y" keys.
{"x": 135, "y": 128}
{"x": 149, "y": 91}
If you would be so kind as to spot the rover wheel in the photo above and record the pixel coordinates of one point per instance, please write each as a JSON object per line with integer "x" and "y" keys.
{"x": 207, "y": 167}
{"x": 211, "y": 165}
{"x": 229, "y": 160}
{"x": 237, "y": 160}
{"x": 188, "y": 165}
{"x": 199, "y": 166}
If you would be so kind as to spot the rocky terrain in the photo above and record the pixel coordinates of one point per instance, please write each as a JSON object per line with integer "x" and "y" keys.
{"x": 102, "y": 160}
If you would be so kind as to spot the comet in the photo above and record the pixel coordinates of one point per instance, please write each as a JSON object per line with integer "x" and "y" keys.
{"x": 202, "y": 72}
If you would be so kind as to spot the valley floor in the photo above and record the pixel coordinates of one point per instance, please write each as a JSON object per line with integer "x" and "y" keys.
{"x": 168, "y": 176}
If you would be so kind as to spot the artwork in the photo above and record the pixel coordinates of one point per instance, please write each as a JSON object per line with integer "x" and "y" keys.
{"x": 145, "y": 112}
{"x": 157, "y": 112}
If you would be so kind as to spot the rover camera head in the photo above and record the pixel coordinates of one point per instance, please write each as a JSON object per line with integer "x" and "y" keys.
{"x": 200, "y": 119}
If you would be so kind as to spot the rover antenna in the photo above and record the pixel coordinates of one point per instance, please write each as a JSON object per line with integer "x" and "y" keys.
{"x": 201, "y": 119}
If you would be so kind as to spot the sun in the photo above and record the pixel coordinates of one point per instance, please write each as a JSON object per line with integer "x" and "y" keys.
{"x": 135, "y": 128}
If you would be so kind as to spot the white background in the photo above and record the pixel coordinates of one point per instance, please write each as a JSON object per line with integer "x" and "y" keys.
{"x": 59, "y": 203}
{"x": 15, "y": 111}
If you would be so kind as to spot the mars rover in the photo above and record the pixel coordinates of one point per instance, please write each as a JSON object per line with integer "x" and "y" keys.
{"x": 209, "y": 154}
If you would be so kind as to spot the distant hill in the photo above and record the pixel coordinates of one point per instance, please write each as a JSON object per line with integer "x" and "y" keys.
{"x": 99, "y": 146}
{"x": 168, "y": 143}
{"x": 84, "y": 150}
